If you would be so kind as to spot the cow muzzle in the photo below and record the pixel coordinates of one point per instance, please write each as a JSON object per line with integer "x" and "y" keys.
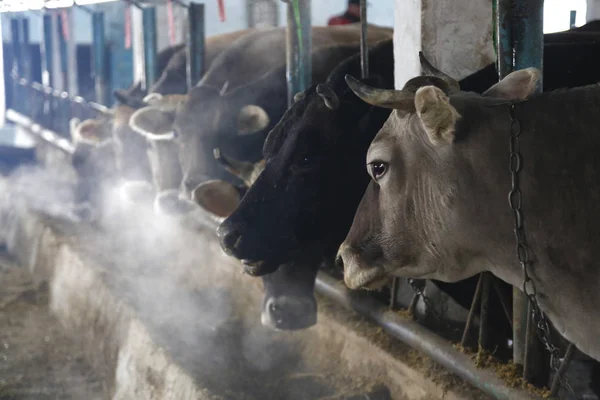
{"x": 289, "y": 313}
{"x": 357, "y": 273}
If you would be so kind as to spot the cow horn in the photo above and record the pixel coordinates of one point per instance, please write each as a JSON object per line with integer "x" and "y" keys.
{"x": 386, "y": 98}
{"x": 431, "y": 70}
{"x": 328, "y": 95}
{"x": 240, "y": 169}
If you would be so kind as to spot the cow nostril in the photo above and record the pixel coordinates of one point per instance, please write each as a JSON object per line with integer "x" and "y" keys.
{"x": 339, "y": 262}
{"x": 229, "y": 238}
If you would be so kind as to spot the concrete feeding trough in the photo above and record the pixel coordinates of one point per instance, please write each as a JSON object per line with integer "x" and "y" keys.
{"x": 167, "y": 316}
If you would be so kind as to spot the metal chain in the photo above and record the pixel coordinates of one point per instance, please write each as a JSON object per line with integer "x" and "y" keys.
{"x": 515, "y": 200}
{"x": 418, "y": 285}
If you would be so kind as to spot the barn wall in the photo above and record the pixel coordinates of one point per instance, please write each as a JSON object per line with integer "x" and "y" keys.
{"x": 455, "y": 35}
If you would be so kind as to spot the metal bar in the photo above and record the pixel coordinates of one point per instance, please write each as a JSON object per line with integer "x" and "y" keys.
{"x": 149, "y": 24}
{"x": 26, "y": 50}
{"x": 486, "y": 278}
{"x": 99, "y": 51}
{"x": 502, "y": 299}
{"x": 528, "y": 41}
{"x": 528, "y": 35}
{"x": 418, "y": 337}
{"x": 504, "y": 63}
{"x": 16, "y": 46}
{"x": 474, "y": 306}
{"x": 364, "y": 47}
{"x": 298, "y": 49}
{"x": 394, "y": 292}
{"x": 46, "y": 49}
{"x": 36, "y": 130}
{"x": 196, "y": 49}
{"x": 529, "y": 333}
{"x": 572, "y": 19}
{"x": 562, "y": 369}
{"x": 16, "y": 69}
{"x": 62, "y": 49}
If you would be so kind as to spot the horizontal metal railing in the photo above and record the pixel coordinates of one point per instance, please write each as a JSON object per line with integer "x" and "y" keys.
{"x": 51, "y": 109}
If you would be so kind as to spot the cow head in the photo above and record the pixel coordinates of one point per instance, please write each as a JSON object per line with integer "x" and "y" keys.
{"x": 409, "y": 220}
{"x": 305, "y": 198}
{"x": 234, "y": 122}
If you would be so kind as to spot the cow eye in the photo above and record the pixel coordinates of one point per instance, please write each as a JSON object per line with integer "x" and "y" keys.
{"x": 377, "y": 169}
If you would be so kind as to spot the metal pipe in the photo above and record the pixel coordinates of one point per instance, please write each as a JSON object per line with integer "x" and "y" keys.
{"x": 504, "y": 42}
{"x": 26, "y": 50}
{"x": 16, "y": 46}
{"x": 483, "y": 315}
{"x": 16, "y": 62}
{"x": 419, "y": 338}
{"x": 394, "y": 293}
{"x": 196, "y": 47}
{"x": 528, "y": 34}
{"x": 39, "y": 132}
{"x": 474, "y": 305}
{"x": 528, "y": 41}
{"x": 62, "y": 48}
{"x": 46, "y": 49}
{"x": 149, "y": 24}
{"x": 99, "y": 50}
{"x": 299, "y": 42}
{"x": 364, "y": 47}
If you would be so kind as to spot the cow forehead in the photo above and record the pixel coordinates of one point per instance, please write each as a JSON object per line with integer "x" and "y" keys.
{"x": 394, "y": 128}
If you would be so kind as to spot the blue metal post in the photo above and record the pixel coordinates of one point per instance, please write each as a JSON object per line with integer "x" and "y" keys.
{"x": 195, "y": 44}
{"x": 149, "y": 23}
{"x": 46, "y": 49}
{"x": 504, "y": 42}
{"x": 62, "y": 48}
{"x": 26, "y": 50}
{"x": 528, "y": 31}
{"x": 299, "y": 43}
{"x": 16, "y": 70}
{"x": 16, "y": 46}
{"x": 99, "y": 52}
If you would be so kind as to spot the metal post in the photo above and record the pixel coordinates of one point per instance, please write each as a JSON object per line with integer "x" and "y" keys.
{"x": 504, "y": 38}
{"x": 149, "y": 24}
{"x": 299, "y": 43}
{"x": 16, "y": 70}
{"x": 528, "y": 40}
{"x": 46, "y": 49}
{"x": 62, "y": 49}
{"x": 16, "y": 46}
{"x": 26, "y": 50}
{"x": 99, "y": 57}
{"x": 364, "y": 55}
{"x": 572, "y": 18}
{"x": 195, "y": 44}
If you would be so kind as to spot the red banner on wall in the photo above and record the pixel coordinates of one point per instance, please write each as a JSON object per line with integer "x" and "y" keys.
{"x": 222, "y": 10}
{"x": 171, "y": 22}
{"x": 128, "y": 26}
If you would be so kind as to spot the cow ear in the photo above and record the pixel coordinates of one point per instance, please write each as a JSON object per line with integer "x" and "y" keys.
{"x": 217, "y": 197}
{"x": 436, "y": 113}
{"x": 153, "y": 123}
{"x": 517, "y": 85}
{"x": 90, "y": 130}
{"x": 252, "y": 119}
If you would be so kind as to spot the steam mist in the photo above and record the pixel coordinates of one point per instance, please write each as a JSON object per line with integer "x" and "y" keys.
{"x": 175, "y": 281}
